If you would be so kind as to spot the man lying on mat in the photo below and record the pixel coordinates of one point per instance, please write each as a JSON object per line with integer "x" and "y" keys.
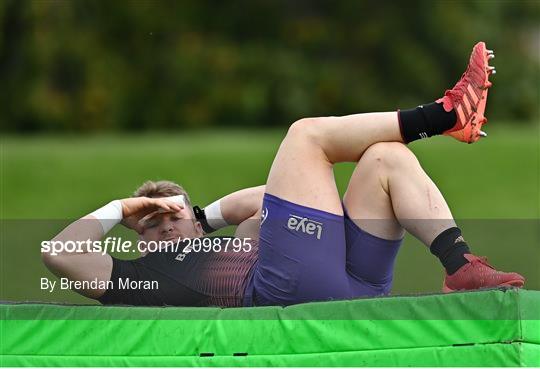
{"x": 297, "y": 240}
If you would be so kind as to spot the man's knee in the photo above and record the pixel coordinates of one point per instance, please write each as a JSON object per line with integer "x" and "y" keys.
{"x": 390, "y": 155}
{"x": 305, "y": 129}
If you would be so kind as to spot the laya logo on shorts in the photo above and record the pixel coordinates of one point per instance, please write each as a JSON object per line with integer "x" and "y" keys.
{"x": 305, "y": 225}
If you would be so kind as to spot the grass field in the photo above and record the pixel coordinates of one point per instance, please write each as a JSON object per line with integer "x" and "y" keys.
{"x": 492, "y": 188}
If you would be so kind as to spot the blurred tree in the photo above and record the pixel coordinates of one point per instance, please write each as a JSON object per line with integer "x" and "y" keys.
{"x": 92, "y": 65}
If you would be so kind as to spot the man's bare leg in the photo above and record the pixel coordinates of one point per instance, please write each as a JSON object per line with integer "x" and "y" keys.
{"x": 389, "y": 191}
{"x": 388, "y": 183}
{"x": 302, "y": 171}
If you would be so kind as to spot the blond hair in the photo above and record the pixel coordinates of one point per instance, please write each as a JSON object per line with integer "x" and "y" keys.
{"x": 161, "y": 189}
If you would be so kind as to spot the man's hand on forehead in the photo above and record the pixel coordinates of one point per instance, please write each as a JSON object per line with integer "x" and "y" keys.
{"x": 178, "y": 200}
{"x": 154, "y": 215}
{"x": 138, "y": 208}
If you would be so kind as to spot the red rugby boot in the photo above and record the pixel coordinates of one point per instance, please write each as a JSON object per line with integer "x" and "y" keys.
{"x": 469, "y": 96}
{"x": 477, "y": 273}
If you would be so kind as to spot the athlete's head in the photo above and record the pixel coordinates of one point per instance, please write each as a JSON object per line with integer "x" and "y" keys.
{"x": 168, "y": 226}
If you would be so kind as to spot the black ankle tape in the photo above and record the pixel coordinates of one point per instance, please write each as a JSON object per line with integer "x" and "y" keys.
{"x": 449, "y": 247}
{"x": 425, "y": 121}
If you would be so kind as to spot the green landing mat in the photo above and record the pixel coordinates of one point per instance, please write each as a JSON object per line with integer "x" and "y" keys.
{"x": 480, "y": 328}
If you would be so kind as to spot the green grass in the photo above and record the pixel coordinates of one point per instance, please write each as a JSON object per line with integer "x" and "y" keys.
{"x": 492, "y": 188}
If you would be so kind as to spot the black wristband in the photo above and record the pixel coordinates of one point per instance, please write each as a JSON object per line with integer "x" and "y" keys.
{"x": 201, "y": 217}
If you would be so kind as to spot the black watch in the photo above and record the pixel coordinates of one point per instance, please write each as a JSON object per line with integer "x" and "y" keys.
{"x": 201, "y": 217}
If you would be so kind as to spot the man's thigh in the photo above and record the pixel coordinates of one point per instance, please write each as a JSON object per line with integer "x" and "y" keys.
{"x": 302, "y": 240}
{"x": 301, "y": 173}
{"x": 373, "y": 234}
{"x": 367, "y": 199}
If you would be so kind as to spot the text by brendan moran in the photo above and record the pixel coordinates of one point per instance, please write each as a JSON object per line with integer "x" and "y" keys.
{"x": 95, "y": 284}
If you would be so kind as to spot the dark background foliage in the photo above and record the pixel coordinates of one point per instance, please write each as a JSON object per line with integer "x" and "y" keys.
{"x": 94, "y": 65}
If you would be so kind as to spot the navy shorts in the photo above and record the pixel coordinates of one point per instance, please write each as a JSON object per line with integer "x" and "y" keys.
{"x": 306, "y": 254}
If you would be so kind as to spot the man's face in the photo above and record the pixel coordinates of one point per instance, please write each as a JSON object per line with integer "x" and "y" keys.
{"x": 170, "y": 226}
